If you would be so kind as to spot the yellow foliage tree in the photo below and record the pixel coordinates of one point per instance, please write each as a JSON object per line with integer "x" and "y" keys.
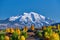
{"x": 58, "y": 27}
{"x": 6, "y": 38}
{"x": 25, "y": 29}
{"x": 7, "y": 30}
{"x": 11, "y": 30}
{"x": 50, "y": 27}
{"x": 32, "y": 27}
{"x": 44, "y": 28}
{"x": 18, "y": 31}
{"x": 54, "y": 27}
{"x": 22, "y": 38}
{"x": 54, "y": 36}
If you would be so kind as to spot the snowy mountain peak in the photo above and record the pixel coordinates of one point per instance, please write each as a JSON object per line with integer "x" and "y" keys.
{"x": 32, "y": 16}
{"x": 27, "y": 19}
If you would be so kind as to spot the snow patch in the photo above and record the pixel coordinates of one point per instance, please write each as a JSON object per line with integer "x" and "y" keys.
{"x": 13, "y": 18}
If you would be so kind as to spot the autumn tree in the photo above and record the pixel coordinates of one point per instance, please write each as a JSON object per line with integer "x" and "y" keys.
{"x": 44, "y": 28}
{"x": 18, "y": 31}
{"x": 32, "y": 27}
{"x": 6, "y": 38}
{"x": 25, "y": 29}
{"x": 58, "y": 26}
{"x": 54, "y": 27}
{"x": 7, "y": 30}
{"x": 11, "y": 30}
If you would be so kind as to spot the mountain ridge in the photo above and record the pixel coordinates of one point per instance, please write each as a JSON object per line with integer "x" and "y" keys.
{"x": 27, "y": 19}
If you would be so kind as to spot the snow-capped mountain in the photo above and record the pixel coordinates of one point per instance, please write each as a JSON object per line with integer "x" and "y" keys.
{"x": 27, "y": 19}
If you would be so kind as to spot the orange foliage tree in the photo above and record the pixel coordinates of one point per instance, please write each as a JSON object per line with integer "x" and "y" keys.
{"x": 25, "y": 29}
{"x": 32, "y": 27}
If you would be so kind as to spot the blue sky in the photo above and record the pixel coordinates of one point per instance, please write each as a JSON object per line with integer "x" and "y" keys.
{"x": 48, "y": 8}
